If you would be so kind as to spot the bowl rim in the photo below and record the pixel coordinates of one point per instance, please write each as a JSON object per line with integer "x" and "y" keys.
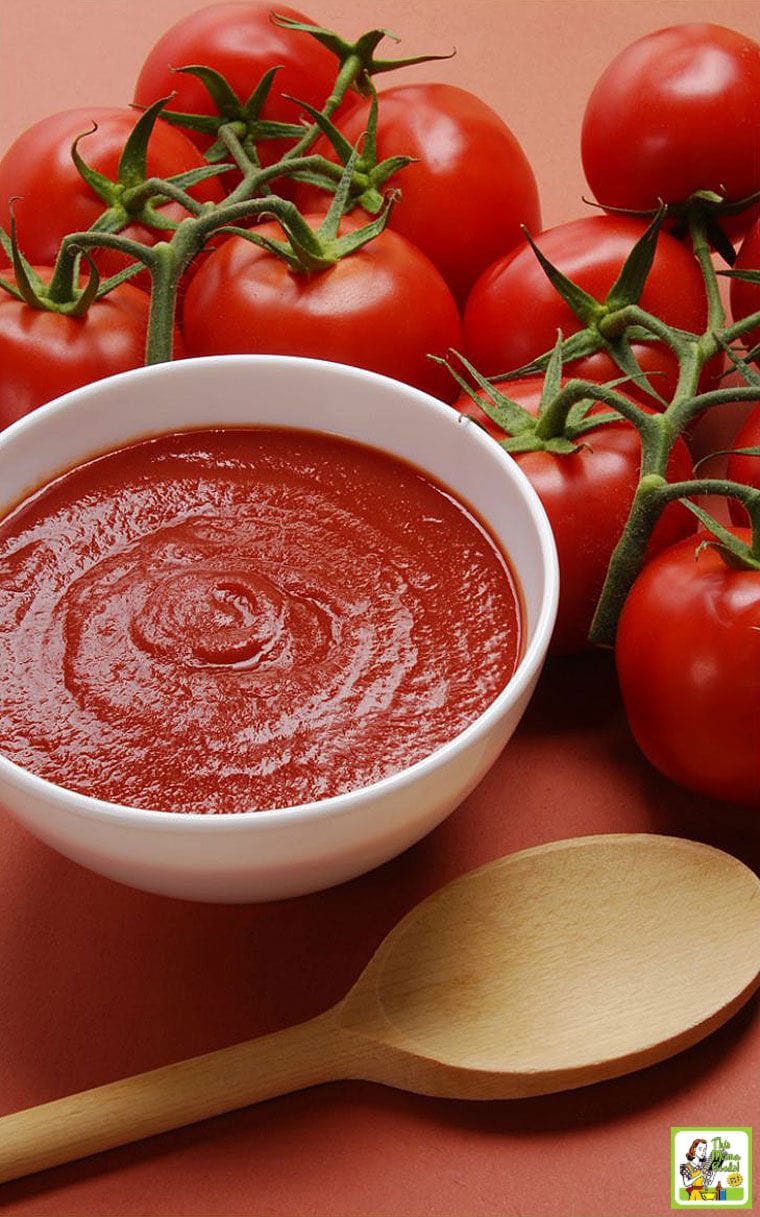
{"x": 88, "y": 807}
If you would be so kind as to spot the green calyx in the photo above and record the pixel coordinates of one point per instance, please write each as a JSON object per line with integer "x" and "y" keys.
{"x": 366, "y": 185}
{"x": 625, "y": 291}
{"x": 132, "y": 196}
{"x": 63, "y": 293}
{"x": 360, "y": 54}
{"x": 309, "y": 250}
{"x": 707, "y": 208}
{"x": 607, "y": 324}
{"x": 563, "y": 418}
{"x": 237, "y": 126}
{"x": 241, "y": 120}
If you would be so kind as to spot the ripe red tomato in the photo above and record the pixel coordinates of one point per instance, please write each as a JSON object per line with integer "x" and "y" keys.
{"x": 742, "y": 467}
{"x": 470, "y": 188}
{"x": 240, "y": 41}
{"x": 675, "y": 112}
{"x": 51, "y": 199}
{"x": 513, "y": 313}
{"x": 587, "y": 495}
{"x": 44, "y": 354}
{"x": 384, "y": 308}
{"x": 688, "y": 661}
{"x": 744, "y": 296}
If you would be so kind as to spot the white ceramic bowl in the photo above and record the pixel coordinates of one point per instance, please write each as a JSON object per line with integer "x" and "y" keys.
{"x": 265, "y": 855}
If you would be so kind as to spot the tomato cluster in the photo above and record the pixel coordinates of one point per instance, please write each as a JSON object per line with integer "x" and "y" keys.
{"x": 270, "y": 199}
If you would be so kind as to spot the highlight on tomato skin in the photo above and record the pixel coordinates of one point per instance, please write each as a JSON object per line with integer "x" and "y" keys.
{"x": 676, "y": 112}
{"x": 384, "y": 308}
{"x": 688, "y": 662}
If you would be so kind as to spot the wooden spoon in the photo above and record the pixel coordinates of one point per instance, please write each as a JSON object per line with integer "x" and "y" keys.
{"x": 542, "y": 971}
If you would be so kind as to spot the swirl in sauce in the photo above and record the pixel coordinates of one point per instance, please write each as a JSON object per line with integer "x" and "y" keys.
{"x": 229, "y": 620}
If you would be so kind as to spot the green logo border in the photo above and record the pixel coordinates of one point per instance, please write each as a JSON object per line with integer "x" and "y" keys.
{"x": 722, "y": 1205}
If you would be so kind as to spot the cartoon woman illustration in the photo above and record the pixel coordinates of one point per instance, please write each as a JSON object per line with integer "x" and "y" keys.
{"x": 695, "y": 1173}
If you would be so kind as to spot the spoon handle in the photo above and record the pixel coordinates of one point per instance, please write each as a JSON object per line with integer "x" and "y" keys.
{"x": 67, "y": 1129}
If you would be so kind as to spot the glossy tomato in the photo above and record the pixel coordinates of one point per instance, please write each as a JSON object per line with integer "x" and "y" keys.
{"x": 745, "y": 296}
{"x": 241, "y": 42}
{"x": 513, "y": 313}
{"x": 675, "y": 112}
{"x": 470, "y": 188}
{"x": 52, "y": 199}
{"x": 587, "y": 495}
{"x": 688, "y": 661}
{"x": 384, "y": 308}
{"x": 743, "y": 466}
{"x": 44, "y": 354}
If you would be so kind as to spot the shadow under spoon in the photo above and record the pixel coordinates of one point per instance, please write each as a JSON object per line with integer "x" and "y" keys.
{"x": 548, "y": 969}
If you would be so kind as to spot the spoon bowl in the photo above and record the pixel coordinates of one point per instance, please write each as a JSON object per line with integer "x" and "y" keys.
{"x": 549, "y": 969}
{"x": 561, "y": 965}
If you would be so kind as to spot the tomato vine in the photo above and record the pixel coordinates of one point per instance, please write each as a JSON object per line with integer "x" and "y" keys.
{"x": 615, "y": 326}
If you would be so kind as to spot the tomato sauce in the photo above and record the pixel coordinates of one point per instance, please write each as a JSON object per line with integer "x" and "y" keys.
{"x": 237, "y": 619}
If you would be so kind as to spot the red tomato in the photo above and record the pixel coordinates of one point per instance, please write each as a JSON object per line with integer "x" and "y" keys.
{"x": 470, "y": 189}
{"x": 384, "y": 308}
{"x": 513, "y": 313}
{"x": 742, "y": 467}
{"x": 688, "y": 661}
{"x": 53, "y": 200}
{"x": 240, "y": 41}
{"x": 587, "y": 496}
{"x": 675, "y": 112}
{"x": 744, "y": 296}
{"x": 44, "y": 354}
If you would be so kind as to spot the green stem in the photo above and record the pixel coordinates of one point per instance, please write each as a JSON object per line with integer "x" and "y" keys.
{"x": 740, "y": 328}
{"x": 111, "y": 220}
{"x": 234, "y": 146}
{"x": 350, "y": 70}
{"x": 106, "y": 240}
{"x": 165, "y": 273}
{"x": 724, "y": 487}
{"x": 63, "y": 282}
{"x": 627, "y": 559}
{"x": 553, "y": 420}
{"x": 314, "y": 162}
{"x": 682, "y": 412}
{"x": 748, "y": 496}
{"x": 689, "y": 350}
{"x": 658, "y": 439}
{"x": 630, "y": 315}
{"x": 716, "y": 315}
{"x": 138, "y": 196}
{"x": 652, "y": 496}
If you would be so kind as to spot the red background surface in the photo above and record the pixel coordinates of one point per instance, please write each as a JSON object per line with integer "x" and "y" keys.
{"x": 98, "y": 981}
